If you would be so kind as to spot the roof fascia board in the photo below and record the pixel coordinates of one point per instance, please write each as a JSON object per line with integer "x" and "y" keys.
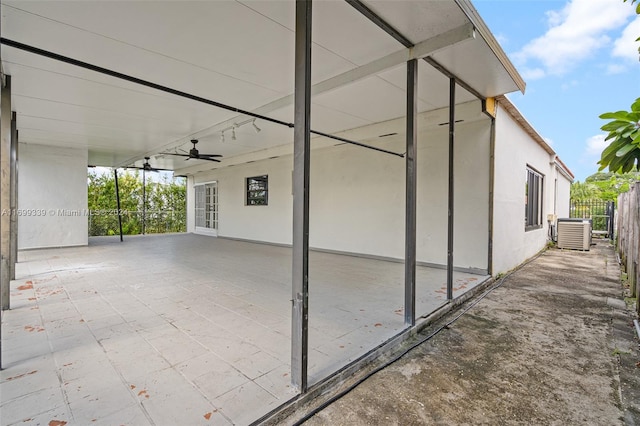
{"x": 563, "y": 169}
{"x": 474, "y": 17}
{"x": 511, "y": 109}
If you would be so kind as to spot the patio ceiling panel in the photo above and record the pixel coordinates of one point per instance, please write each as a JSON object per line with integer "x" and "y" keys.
{"x": 121, "y": 115}
{"x": 481, "y": 63}
{"x": 235, "y": 52}
{"x": 433, "y": 89}
{"x": 337, "y": 28}
{"x": 370, "y": 99}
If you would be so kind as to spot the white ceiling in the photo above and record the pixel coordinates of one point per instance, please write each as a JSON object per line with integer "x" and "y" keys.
{"x": 240, "y": 53}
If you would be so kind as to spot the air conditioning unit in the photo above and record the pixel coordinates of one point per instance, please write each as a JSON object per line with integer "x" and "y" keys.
{"x": 574, "y": 233}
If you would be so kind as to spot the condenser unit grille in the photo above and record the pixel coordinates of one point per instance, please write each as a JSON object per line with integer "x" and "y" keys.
{"x": 574, "y": 234}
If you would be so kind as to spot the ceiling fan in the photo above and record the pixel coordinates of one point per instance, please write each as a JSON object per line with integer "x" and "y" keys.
{"x": 148, "y": 168}
{"x": 193, "y": 153}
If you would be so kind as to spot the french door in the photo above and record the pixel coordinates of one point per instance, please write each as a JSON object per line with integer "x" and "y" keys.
{"x": 206, "y": 207}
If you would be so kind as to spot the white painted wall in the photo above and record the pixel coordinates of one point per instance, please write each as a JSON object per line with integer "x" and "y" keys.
{"x": 270, "y": 223}
{"x": 563, "y": 207}
{"x": 471, "y": 195}
{"x": 191, "y": 202}
{"x": 514, "y": 151}
{"x": 52, "y": 185}
{"x": 357, "y": 199}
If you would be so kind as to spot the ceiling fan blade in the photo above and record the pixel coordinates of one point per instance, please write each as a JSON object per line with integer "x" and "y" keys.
{"x": 153, "y": 169}
{"x": 210, "y": 155}
{"x": 175, "y": 153}
{"x": 209, "y": 159}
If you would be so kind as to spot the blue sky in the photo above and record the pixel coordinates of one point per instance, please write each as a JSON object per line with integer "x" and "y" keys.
{"x": 579, "y": 59}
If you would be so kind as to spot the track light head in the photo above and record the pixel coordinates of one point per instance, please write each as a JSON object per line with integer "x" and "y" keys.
{"x": 255, "y": 127}
{"x": 222, "y": 136}
{"x": 233, "y": 134}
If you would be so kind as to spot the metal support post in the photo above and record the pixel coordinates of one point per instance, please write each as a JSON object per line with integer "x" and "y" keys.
{"x": 115, "y": 176}
{"x": 411, "y": 194}
{"x": 450, "y": 224}
{"x": 5, "y": 193}
{"x": 14, "y": 195}
{"x": 301, "y": 161}
{"x": 144, "y": 201}
{"x": 3, "y": 156}
{"x": 492, "y": 167}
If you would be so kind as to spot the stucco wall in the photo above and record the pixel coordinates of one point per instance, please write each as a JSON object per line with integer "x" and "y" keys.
{"x": 270, "y": 223}
{"x": 190, "y": 205}
{"x": 564, "y": 196}
{"x": 514, "y": 151}
{"x": 52, "y": 185}
{"x": 357, "y": 198}
{"x": 471, "y": 195}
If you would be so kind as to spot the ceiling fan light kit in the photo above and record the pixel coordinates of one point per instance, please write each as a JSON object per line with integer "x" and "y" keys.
{"x": 195, "y": 154}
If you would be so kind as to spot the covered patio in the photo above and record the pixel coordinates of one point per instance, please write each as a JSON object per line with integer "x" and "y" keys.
{"x": 377, "y": 129}
{"x": 202, "y": 339}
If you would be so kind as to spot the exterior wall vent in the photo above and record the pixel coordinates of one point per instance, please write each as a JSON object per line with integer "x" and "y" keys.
{"x": 574, "y": 234}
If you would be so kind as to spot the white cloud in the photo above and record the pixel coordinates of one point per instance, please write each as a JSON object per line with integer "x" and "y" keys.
{"x": 502, "y": 39}
{"x": 593, "y": 149}
{"x": 549, "y": 141}
{"x": 533, "y": 73}
{"x": 626, "y": 47}
{"x": 569, "y": 84}
{"x": 574, "y": 34}
{"x": 613, "y": 69}
{"x": 595, "y": 145}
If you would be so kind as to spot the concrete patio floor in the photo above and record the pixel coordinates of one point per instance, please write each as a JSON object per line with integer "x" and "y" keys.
{"x": 186, "y": 329}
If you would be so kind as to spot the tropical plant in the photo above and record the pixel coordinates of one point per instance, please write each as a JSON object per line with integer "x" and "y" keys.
{"x": 164, "y": 203}
{"x": 623, "y": 152}
{"x": 637, "y": 13}
{"x": 603, "y": 186}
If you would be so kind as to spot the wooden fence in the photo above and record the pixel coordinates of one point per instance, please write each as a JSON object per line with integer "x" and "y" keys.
{"x": 628, "y": 233}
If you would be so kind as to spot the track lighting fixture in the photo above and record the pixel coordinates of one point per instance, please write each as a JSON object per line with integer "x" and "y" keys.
{"x": 235, "y": 126}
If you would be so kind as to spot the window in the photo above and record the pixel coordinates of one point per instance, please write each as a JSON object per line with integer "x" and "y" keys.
{"x": 533, "y": 200}
{"x": 206, "y": 205}
{"x": 258, "y": 191}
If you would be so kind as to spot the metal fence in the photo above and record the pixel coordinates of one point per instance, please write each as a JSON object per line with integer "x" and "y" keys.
{"x": 601, "y": 212}
{"x": 135, "y": 222}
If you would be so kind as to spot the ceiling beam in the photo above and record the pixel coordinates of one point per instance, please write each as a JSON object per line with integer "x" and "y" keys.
{"x": 418, "y": 51}
{"x": 146, "y": 83}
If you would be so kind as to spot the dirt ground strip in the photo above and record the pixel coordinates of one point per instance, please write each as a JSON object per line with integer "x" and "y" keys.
{"x": 554, "y": 345}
